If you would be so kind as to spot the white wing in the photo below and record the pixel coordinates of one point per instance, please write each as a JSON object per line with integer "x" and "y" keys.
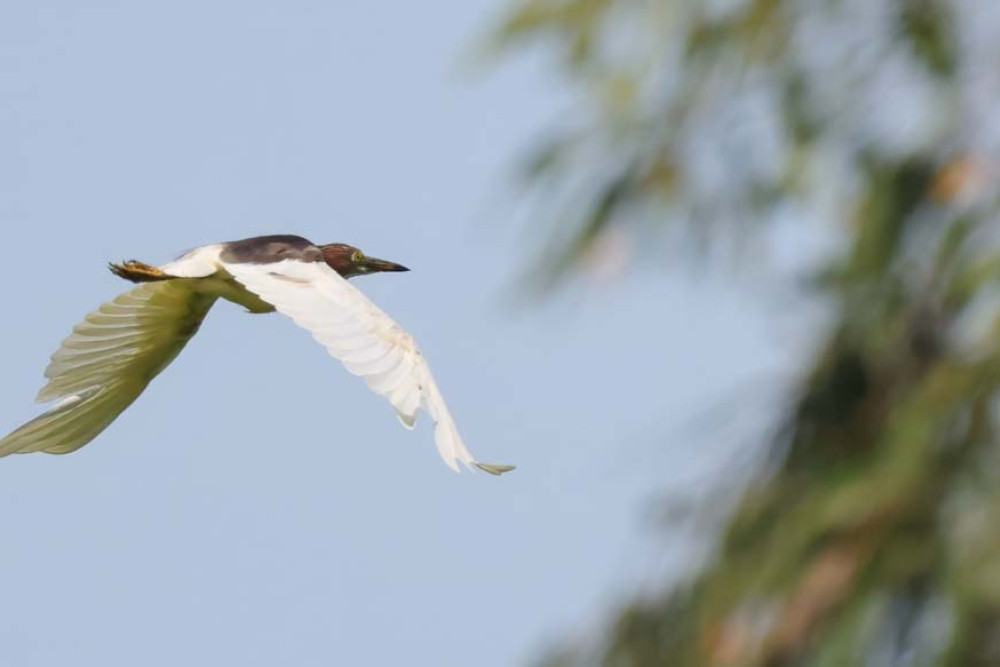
{"x": 105, "y": 364}
{"x": 368, "y": 342}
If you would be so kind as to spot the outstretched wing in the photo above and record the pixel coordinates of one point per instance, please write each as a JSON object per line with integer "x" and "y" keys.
{"x": 109, "y": 359}
{"x": 368, "y": 342}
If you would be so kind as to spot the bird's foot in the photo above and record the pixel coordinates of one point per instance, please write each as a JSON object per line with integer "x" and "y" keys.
{"x": 137, "y": 272}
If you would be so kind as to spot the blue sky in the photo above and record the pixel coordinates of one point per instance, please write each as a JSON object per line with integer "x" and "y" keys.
{"x": 258, "y": 506}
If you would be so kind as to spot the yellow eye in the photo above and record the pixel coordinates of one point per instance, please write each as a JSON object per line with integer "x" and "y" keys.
{"x": 357, "y": 256}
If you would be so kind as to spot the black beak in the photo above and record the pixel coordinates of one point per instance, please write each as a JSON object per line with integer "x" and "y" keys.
{"x": 373, "y": 265}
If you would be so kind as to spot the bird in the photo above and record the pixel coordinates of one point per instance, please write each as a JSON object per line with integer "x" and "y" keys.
{"x": 117, "y": 350}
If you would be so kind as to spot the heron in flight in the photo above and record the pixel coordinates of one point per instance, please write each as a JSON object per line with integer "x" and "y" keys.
{"x": 114, "y": 353}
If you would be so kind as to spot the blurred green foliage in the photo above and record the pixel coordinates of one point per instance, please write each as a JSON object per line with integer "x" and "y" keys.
{"x": 874, "y": 535}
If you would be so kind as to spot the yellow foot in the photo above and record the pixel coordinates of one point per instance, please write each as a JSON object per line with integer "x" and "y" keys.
{"x": 137, "y": 272}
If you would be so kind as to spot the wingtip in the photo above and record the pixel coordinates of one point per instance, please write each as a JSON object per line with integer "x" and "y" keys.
{"x": 408, "y": 421}
{"x": 494, "y": 469}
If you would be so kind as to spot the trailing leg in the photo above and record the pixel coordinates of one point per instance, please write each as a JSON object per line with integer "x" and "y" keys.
{"x": 138, "y": 272}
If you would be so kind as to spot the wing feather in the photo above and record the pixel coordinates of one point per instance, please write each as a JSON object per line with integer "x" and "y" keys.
{"x": 107, "y": 362}
{"x": 368, "y": 342}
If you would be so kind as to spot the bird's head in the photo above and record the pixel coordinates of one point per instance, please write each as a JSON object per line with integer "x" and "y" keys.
{"x": 348, "y": 261}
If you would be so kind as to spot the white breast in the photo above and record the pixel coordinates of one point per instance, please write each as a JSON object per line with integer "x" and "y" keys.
{"x": 204, "y": 267}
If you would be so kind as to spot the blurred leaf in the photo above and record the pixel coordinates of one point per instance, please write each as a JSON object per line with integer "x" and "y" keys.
{"x": 875, "y": 530}
{"x": 927, "y": 25}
